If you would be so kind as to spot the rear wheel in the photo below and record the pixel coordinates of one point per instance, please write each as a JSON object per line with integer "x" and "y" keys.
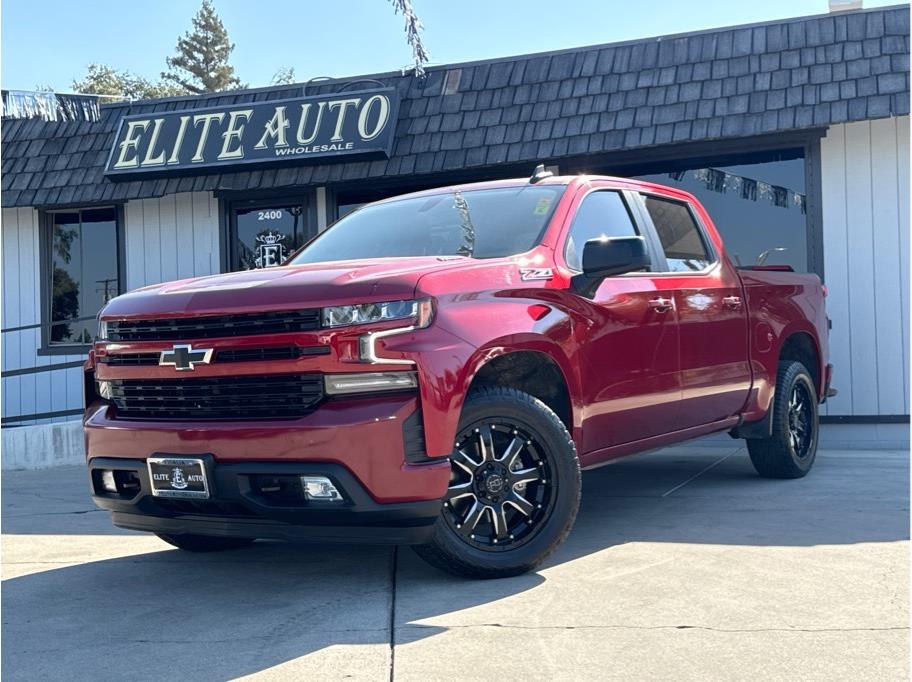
{"x": 790, "y": 450}
{"x": 514, "y": 488}
{"x": 204, "y": 543}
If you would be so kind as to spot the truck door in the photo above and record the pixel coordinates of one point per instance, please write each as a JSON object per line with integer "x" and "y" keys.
{"x": 628, "y": 344}
{"x": 712, "y": 315}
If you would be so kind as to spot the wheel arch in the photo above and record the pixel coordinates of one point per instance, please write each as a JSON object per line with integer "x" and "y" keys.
{"x": 801, "y": 346}
{"x": 531, "y": 371}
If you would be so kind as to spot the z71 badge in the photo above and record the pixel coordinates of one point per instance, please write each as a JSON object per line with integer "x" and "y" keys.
{"x": 530, "y": 274}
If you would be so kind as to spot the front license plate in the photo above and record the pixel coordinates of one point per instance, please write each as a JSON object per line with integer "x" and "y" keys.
{"x": 178, "y": 477}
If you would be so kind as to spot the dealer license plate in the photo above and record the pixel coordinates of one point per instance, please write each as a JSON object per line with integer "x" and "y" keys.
{"x": 178, "y": 477}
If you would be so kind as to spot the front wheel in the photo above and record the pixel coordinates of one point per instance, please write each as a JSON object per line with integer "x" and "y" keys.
{"x": 790, "y": 449}
{"x": 514, "y": 488}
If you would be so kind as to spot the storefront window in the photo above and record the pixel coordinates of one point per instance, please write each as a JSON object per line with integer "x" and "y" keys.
{"x": 759, "y": 208}
{"x": 265, "y": 234}
{"x": 83, "y": 272}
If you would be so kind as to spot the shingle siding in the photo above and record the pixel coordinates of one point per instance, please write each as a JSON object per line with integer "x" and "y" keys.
{"x": 732, "y": 82}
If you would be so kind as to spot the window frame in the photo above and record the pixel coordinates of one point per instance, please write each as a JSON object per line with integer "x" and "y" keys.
{"x": 711, "y": 251}
{"x": 45, "y": 260}
{"x": 625, "y": 202}
{"x": 638, "y": 216}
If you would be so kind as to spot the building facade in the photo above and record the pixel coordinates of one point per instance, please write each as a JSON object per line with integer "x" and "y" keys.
{"x": 794, "y": 134}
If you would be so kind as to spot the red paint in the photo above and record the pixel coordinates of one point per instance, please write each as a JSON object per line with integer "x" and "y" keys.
{"x": 638, "y": 375}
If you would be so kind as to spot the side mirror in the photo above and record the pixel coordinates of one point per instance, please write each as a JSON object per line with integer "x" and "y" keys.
{"x": 605, "y": 257}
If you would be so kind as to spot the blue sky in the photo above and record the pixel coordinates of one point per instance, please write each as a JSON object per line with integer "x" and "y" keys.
{"x": 50, "y": 42}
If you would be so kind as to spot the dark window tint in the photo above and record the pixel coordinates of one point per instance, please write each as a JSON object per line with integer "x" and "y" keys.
{"x": 679, "y": 234}
{"x": 266, "y": 235}
{"x": 484, "y": 223}
{"x": 83, "y": 272}
{"x": 601, "y": 215}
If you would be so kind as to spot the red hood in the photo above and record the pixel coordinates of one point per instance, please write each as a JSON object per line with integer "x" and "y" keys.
{"x": 292, "y": 286}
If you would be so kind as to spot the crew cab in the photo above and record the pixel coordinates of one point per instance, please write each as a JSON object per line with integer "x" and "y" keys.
{"x": 436, "y": 370}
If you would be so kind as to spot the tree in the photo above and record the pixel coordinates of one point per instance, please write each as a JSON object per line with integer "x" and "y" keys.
{"x": 413, "y": 28}
{"x": 102, "y": 79}
{"x": 201, "y": 60}
{"x": 284, "y": 76}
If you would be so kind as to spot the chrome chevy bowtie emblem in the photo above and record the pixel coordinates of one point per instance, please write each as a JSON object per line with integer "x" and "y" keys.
{"x": 185, "y": 357}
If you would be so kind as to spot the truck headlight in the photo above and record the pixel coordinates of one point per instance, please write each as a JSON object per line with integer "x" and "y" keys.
{"x": 102, "y": 330}
{"x": 419, "y": 312}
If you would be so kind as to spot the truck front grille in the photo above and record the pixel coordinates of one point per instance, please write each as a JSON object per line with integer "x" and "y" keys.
{"x": 210, "y": 327}
{"x": 230, "y": 355}
{"x": 271, "y": 396}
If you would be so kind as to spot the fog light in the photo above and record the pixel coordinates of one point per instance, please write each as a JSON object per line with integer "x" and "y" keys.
{"x": 108, "y": 482}
{"x": 369, "y": 382}
{"x": 320, "y": 489}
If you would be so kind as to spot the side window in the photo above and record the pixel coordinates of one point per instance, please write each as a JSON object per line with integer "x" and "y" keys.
{"x": 684, "y": 247}
{"x": 602, "y": 214}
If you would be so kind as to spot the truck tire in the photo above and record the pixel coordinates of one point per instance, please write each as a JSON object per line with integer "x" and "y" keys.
{"x": 790, "y": 450}
{"x": 514, "y": 488}
{"x": 204, "y": 543}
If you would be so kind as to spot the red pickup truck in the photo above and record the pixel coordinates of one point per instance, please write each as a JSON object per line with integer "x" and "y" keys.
{"x": 437, "y": 368}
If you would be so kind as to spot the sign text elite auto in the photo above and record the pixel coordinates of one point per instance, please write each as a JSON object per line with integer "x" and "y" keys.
{"x": 353, "y": 123}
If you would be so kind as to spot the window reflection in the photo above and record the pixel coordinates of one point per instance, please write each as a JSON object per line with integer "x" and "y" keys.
{"x": 83, "y": 271}
{"x": 757, "y": 207}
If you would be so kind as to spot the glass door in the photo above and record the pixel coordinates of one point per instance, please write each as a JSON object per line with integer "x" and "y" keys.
{"x": 263, "y": 233}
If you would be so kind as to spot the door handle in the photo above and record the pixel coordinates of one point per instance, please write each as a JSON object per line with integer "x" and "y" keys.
{"x": 733, "y": 302}
{"x": 661, "y": 305}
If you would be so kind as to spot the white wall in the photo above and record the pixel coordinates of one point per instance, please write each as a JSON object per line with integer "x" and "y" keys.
{"x": 35, "y": 393}
{"x": 865, "y": 178}
{"x": 169, "y": 238}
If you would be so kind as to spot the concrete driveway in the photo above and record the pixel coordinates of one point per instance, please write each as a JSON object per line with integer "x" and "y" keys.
{"x": 683, "y": 564}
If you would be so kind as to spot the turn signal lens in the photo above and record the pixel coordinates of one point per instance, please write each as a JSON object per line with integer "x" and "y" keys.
{"x": 369, "y": 382}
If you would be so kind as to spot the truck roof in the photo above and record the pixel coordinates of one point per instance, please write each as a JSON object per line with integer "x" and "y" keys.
{"x": 520, "y": 182}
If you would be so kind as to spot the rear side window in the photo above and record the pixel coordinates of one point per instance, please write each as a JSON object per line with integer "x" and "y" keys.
{"x": 602, "y": 214}
{"x": 684, "y": 247}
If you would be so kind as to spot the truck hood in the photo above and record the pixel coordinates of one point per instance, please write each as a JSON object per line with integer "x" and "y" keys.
{"x": 290, "y": 286}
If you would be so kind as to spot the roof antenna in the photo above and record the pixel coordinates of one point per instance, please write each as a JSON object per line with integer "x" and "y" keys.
{"x": 539, "y": 174}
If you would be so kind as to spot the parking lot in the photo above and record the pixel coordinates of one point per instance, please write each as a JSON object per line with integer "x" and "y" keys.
{"x": 683, "y": 564}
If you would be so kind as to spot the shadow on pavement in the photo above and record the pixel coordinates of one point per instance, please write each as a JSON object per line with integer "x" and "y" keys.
{"x": 225, "y": 615}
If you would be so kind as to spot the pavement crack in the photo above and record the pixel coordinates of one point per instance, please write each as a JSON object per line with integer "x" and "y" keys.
{"x": 898, "y": 628}
{"x": 394, "y": 557}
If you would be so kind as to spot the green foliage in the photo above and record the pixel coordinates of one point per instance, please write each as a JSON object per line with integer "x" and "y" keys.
{"x": 200, "y": 63}
{"x": 102, "y": 79}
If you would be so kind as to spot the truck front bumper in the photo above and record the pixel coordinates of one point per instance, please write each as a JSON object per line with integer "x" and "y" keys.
{"x": 369, "y": 447}
{"x": 239, "y": 507}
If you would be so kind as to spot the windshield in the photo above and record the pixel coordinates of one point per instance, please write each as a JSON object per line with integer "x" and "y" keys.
{"x": 483, "y": 223}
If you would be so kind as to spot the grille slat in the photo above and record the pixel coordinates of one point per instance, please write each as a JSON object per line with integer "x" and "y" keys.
{"x": 218, "y": 398}
{"x": 211, "y": 327}
{"x": 230, "y": 355}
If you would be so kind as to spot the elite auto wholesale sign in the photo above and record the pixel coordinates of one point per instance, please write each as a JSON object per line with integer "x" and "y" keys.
{"x": 256, "y": 133}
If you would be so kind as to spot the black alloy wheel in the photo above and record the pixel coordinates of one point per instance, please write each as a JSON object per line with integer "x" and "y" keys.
{"x": 500, "y": 487}
{"x": 791, "y": 447}
{"x": 514, "y": 487}
{"x": 799, "y": 420}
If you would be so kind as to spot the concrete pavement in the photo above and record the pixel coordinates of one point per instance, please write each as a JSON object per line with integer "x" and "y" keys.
{"x": 727, "y": 576}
